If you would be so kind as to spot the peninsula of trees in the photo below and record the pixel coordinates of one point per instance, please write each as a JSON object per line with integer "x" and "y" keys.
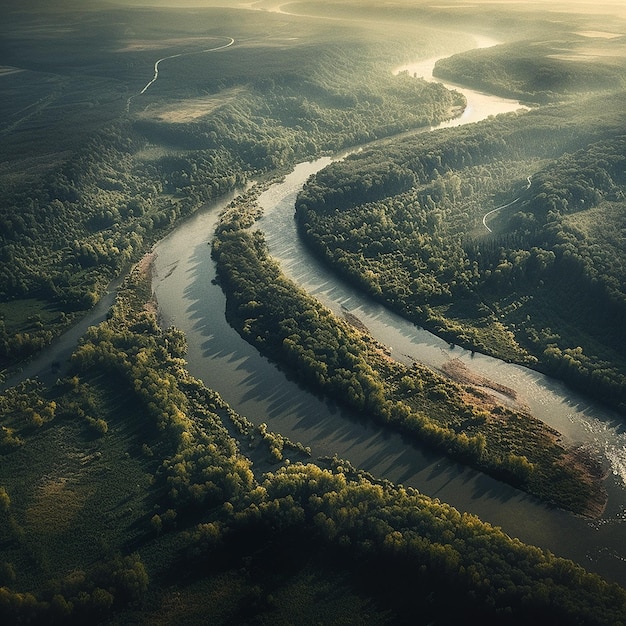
{"x": 542, "y": 283}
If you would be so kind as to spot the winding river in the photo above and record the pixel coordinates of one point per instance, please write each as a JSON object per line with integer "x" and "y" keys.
{"x": 189, "y": 299}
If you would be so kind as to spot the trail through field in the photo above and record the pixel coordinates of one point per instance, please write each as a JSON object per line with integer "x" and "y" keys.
{"x": 175, "y": 56}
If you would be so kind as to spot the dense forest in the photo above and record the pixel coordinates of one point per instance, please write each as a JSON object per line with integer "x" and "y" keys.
{"x": 537, "y": 285}
{"x": 539, "y": 71}
{"x": 130, "y": 492}
{"x": 66, "y": 233}
{"x": 245, "y": 541}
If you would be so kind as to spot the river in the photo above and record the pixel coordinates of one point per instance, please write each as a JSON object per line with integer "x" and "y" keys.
{"x": 182, "y": 282}
{"x": 188, "y": 298}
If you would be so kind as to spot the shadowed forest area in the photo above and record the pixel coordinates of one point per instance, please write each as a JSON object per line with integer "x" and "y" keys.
{"x": 130, "y": 492}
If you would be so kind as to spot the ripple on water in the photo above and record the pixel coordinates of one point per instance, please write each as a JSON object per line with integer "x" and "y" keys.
{"x": 617, "y": 459}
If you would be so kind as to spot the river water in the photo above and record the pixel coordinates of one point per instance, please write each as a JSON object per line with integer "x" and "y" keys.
{"x": 188, "y": 298}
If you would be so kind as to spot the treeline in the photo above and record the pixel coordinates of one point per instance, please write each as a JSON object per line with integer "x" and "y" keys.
{"x": 392, "y": 168}
{"x": 425, "y": 547}
{"x": 545, "y": 288}
{"x": 185, "y": 436}
{"x": 540, "y": 73}
{"x": 205, "y": 464}
{"x": 63, "y": 241}
{"x": 80, "y": 597}
{"x": 332, "y": 357}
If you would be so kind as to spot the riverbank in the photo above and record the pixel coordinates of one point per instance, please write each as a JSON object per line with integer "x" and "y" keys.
{"x": 145, "y": 269}
{"x": 190, "y": 298}
{"x": 489, "y": 396}
{"x": 287, "y": 325}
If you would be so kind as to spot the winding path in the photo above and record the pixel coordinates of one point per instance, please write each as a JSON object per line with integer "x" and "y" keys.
{"x": 175, "y": 56}
{"x": 504, "y": 206}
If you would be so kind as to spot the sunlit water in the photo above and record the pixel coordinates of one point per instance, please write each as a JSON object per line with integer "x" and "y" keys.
{"x": 479, "y": 104}
{"x": 579, "y": 420}
{"x": 187, "y": 297}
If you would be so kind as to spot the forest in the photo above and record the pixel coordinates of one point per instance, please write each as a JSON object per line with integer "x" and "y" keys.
{"x": 247, "y": 524}
{"x": 547, "y": 72}
{"x": 67, "y": 231}
{"x": 539, "y": 285}
{"x": 130, "y": 492}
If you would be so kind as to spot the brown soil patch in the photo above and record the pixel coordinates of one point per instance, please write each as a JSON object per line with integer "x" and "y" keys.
{"x": 353, "y": 320}
{"x": 379, "y": 348}
{"x": 190, "y": 109}
{"x": 458, "y": 371}
{"x": 144, "y": 265}
{"x": 55, "y": 506}
{"x": 591, "y": 473}
{"x": 144, "y": 268}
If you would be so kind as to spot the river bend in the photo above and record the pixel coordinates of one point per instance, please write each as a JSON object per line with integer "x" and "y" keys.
{"x": 188, "y": 298}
